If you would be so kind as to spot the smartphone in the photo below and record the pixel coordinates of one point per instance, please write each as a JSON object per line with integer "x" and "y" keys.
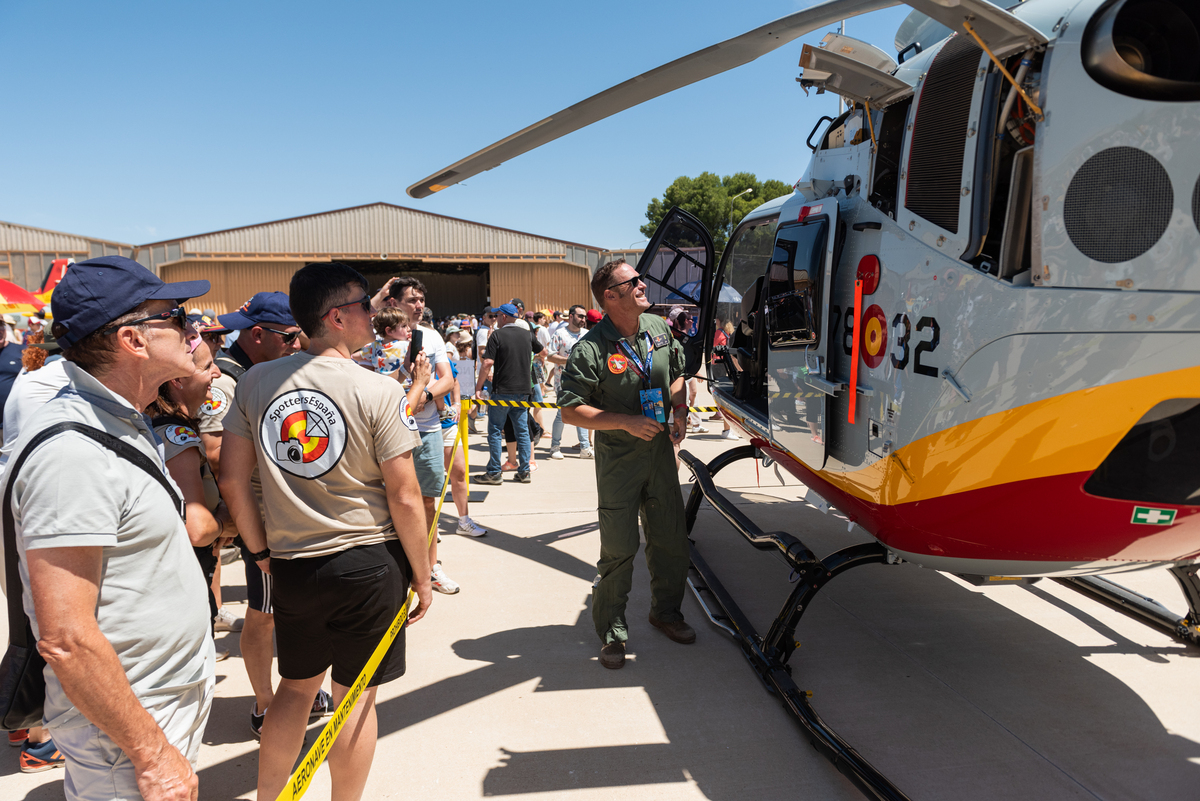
{"x": 414, "y": 346}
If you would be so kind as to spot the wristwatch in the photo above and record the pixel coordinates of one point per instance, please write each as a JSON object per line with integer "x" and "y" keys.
{"x": 265, "y": 553}
{"x": 428, "y": 396}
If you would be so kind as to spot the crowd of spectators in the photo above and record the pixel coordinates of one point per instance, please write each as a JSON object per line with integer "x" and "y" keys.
{"x": 309, "y": 487}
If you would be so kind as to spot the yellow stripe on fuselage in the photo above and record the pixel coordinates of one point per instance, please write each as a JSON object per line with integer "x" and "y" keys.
{"x": 1070, "y": 433}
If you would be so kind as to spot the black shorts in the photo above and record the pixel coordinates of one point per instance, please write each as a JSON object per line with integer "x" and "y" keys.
{"x": 258, "y": 583}
{"x": 334, "y": 610}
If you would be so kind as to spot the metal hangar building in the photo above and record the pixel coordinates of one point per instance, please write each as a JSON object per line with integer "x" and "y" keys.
{"x": 464, "y": 265}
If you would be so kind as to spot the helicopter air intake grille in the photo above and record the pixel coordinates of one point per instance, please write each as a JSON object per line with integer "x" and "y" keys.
{"x": 1196, "y": 205}
{"x": 939, "y": 139}
{"x": 1118, "y": 205}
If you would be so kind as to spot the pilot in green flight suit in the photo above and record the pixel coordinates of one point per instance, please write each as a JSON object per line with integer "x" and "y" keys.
{"x": 635, "y": 461}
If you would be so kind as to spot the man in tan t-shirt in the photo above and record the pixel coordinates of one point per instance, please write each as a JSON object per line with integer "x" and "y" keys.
{"x": 343, "y": 532}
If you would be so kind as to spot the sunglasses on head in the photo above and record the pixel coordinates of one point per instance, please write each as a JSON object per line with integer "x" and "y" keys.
{"x": 177, "y": 315}
{"x": 364, "y": 301}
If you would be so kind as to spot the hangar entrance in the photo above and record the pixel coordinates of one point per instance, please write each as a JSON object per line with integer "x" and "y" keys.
{"x": 451, "y": 287}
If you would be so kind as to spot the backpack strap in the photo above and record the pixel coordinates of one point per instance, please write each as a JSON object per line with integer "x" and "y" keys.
{"x": 230, "y": 366}
{"x": 17, "y": 621}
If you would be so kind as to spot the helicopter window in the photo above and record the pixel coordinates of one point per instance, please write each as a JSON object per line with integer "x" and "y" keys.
{"x": 793, "y": 284}
{"x": 746, "y": 260}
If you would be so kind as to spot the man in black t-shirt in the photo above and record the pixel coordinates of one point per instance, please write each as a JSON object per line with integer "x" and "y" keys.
{"x": 510, "y": 350}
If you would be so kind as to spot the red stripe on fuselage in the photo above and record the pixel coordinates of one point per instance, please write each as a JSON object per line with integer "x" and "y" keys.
{"x": 1048, "y": 519}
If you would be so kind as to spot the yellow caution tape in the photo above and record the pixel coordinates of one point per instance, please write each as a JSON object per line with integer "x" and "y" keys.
{"x": 533, "y": 405}
{"x": 299, "y": 781}
{"x": 302, "y": 777}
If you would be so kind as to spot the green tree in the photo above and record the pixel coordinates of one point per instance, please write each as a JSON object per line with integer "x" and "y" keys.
{"x": 708, "y": 197}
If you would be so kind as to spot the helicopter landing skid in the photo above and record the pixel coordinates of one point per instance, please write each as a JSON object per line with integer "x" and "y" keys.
{"x": 1147, "y": 610}
{"x": 769, "y": 656}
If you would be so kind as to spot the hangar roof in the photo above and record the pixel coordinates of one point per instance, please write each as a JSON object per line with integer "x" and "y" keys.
{"x": 375, "y": 228}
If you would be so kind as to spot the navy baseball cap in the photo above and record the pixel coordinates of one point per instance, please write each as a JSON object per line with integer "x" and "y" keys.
{"x": 509, "y": 309}
{"x": 95, "y": 292}
{"x": 264, "y": 307}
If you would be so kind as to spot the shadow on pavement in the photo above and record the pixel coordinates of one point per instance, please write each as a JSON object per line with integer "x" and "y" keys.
{"x": 949, "y": 693}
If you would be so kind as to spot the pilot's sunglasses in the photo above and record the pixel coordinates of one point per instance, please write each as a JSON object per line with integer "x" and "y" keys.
{"x": 289, "y": 337}
{"x": 632, "y": 282}
{"x": 177, "y": 315}
{"x": 364, "y": 301}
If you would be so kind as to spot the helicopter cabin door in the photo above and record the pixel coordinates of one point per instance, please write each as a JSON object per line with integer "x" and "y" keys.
{"x": 677, "y": 266}
{"x": 796, "y": 293}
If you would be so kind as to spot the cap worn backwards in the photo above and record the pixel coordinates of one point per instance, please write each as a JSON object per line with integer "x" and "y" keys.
{"x": 264, "y": 307}
{"x": 95, "y": 292}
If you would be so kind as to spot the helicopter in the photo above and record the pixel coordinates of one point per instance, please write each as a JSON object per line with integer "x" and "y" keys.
{"x": 972, "y": 326}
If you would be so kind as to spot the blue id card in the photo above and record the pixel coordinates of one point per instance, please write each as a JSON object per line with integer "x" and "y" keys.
{"x": 652, "y": 404}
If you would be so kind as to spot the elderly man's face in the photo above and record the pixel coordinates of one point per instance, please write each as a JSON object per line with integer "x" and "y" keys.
{"x": 167, "y": 343}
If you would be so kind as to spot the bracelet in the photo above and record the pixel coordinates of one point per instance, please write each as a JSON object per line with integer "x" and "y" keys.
{"x": 265, "y": 553}
{"x": 678, "y": 406}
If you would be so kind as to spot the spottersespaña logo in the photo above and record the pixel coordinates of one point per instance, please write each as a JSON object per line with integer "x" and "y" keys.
{"x": 304, "y": 433}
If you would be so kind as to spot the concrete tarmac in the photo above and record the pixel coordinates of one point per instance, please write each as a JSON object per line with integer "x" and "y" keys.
{"x": 953, "y": 691}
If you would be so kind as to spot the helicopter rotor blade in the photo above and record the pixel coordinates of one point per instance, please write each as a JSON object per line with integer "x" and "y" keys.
{"x": 682, "y": 72}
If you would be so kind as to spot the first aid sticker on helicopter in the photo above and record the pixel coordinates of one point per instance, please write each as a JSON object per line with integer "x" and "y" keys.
{"x": 1146, "y": 516}
{"x": 304, "y": 433}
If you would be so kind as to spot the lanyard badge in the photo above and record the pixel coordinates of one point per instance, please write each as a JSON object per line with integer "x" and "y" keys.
{"x": 651, "y": 399}
{"x": 642, "y": 369}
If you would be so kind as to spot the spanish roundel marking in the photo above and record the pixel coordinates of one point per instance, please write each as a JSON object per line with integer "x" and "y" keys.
{"x": 406, "y": 414}
{"x": 181, "y": 435}
{"x": 617, "y": 364}
{"x": 217, "y": 405}
{"x": 304, "y": 433}
{"x": 874, "y": 336}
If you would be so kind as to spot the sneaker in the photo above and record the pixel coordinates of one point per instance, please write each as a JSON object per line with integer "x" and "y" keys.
{"x": 524, "y": 478}
{"x": 556, "y": 454}
{"x": 507, "y": 467}
{"x": 228, "y": 621}
{"x": 441, "y": 582}
{"x": 487, "y": 478}
{"x": 256, "y": 720}
{"x": 471, "y": 426}
{"x": 222, "y": 654}
{"x": 587, "y": 453}
{"x": 17, "y": 738}
{"x": 322, "y": 706}
{"x": 40, "y": 757}
{"x": 697, "y": 429}
{"x": 468, "y": 528}
{"x": 729, "y": 433}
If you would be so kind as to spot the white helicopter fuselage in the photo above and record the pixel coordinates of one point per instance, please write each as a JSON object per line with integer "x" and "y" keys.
{"x": 1027, "y": 390}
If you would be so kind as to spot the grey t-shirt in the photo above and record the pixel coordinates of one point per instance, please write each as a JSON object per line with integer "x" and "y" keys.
{"x": 74, "y": 492}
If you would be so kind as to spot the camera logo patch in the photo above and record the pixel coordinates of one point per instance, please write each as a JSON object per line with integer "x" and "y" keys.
{"x": 181, "y": 435}
{"x": 304, "y": 433}
{"x": 216, "y": 405}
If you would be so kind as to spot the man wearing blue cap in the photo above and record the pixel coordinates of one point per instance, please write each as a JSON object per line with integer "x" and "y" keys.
{"x": 267, "y": 331}
{"x": 110, "y": 584}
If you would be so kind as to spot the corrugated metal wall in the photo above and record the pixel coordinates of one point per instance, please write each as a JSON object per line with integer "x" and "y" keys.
{"x": 233, "y": 283}
{"x": 26, "y": 253}
{"x": 541, "y": 286}
{"x": 378, "y": 228}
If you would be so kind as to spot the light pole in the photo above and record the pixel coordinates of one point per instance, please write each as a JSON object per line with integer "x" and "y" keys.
{"x": 735, "y": 197}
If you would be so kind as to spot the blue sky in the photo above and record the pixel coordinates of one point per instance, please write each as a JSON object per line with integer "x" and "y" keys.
{"x": 144, "y": 121}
